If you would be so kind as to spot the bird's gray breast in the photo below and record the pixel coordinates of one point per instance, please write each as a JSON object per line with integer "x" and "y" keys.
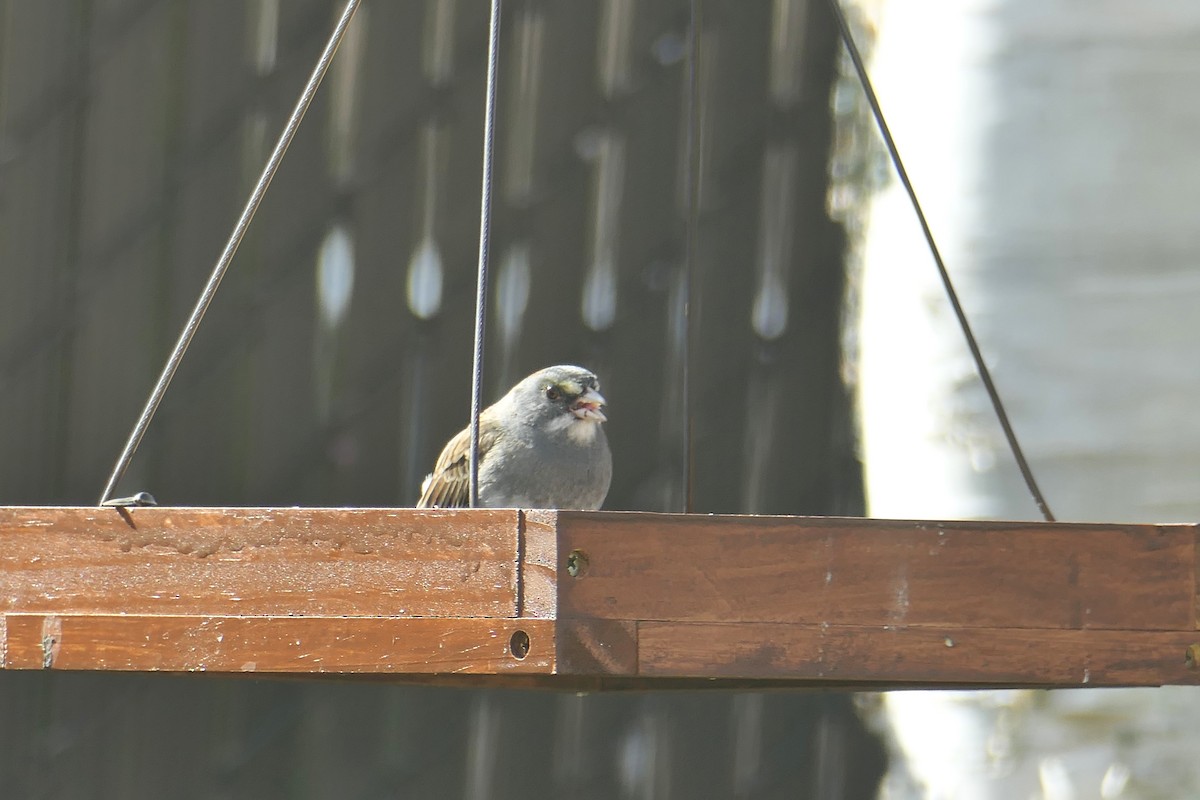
{"x": 547, "y": 472}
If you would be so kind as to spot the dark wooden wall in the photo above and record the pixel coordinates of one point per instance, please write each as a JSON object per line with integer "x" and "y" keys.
{"x": 130, "y": 133}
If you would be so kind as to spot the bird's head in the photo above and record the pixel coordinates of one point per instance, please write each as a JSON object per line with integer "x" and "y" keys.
{"x": 558, "y": 397}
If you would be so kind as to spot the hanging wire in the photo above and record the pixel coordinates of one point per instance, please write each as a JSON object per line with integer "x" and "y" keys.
{"x": 485, "y": 225}
{"x": 976, "y": 354}
{"x": 691, "y": 200}
{"x": 231, "y": 246}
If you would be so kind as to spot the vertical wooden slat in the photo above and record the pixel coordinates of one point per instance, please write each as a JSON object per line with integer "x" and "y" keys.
{"x": 539, "y": 564}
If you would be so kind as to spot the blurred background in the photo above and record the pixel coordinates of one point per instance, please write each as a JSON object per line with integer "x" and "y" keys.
{"x": 336, "y": 359}
{"x": 1049, "y": 142}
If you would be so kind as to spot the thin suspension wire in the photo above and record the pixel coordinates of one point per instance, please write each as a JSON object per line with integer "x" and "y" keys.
{"x": 485, "y": 232}
{"x": 691, "y": 199}
{"x": 231, "y": 246}
{"x": 976, "y": 354}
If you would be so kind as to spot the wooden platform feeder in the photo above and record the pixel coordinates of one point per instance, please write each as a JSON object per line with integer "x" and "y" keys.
{"x": 583, "y": 601}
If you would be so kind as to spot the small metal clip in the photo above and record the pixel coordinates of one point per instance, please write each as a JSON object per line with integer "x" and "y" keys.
{"x": 139, "y": 499}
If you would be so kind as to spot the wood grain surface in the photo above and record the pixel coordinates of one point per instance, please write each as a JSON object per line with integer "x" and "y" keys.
{"x": 845, "y": 654}
{"x": 599, "y": 600}
{"x": 273, "y": 644}
{"x": 880, "y": 572}
{"x": 212, "y": 562}
{"x": 538, "y": 587}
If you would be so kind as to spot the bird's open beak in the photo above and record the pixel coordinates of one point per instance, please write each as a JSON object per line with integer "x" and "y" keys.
{"x": 588, "y": 406}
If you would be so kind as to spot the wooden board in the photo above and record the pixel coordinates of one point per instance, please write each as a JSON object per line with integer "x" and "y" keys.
{"x": 863, "y": 572}
{"x": 846, "y": 654}
{"x": 596, "y": 601}
{"x": 254, "y": 561}
{"x": 274, "y": 644}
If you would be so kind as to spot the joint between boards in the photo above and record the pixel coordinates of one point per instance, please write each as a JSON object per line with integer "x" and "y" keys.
{"x": 519, "y": 567}
{"x": 537, "y": 564}
{"x": 51, "y": 639}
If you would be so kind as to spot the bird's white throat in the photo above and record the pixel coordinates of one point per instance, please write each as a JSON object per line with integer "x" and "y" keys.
{"x": 580, "y": 431}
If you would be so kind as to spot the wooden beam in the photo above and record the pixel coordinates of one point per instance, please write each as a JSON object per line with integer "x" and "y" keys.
{"x": 846, "y": 654}
{"x": 248, "y": 561}
{"x": 178, "y": 643}
{"x": 595, "y": 601}
{"x": 881, "y": 572}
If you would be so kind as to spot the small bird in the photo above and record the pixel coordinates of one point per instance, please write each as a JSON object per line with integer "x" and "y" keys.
{"x": 540, "y": 446}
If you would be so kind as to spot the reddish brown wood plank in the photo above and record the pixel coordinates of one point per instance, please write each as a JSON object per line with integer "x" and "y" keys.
{"x": 1196, "y": 579}
{"x": 538, "y": 587}
{"x": 274, "y": 644}
{"x": 915, "y": 656}
{"x": 879, "y": 572}
{"x": 243, "y": 561}
{"x": 642, "y": 600}
{"x": 606, "y": 647}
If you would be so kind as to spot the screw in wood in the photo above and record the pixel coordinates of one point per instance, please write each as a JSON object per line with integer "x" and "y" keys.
{"x": 1192, "y": 656}
{"x": 518, "y": 645}
{"x": 576, "y": 563}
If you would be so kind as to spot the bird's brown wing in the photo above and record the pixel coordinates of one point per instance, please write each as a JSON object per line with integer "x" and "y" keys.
{"x": 449, "y": 485}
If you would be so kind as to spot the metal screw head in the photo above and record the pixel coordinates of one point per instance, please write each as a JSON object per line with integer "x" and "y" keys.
{"x": 576, "y": 563}
{"x": 1192, "y": 657}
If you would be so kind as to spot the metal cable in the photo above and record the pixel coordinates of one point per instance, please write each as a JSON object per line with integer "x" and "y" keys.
{"x": 691, "y": 199}
{"x": 485, "y": 226}
{"x": 976, "y": 355}
{"x": 231, "y": 246}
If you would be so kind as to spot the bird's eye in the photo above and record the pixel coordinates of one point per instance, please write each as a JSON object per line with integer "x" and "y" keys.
{"x": 552, "y": 393}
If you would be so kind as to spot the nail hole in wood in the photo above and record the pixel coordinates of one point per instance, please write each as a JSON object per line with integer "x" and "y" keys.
{"x": 518, "y": 645}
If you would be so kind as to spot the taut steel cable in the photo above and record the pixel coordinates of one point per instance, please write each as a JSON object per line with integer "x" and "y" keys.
{"x": 984, "y": 374}
{"x": 485, "y": 225}
{"x": 231, "y": 246}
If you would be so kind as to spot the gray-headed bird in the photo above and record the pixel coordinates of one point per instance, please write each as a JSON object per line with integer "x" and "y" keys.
{"x": 542, "y": 445}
